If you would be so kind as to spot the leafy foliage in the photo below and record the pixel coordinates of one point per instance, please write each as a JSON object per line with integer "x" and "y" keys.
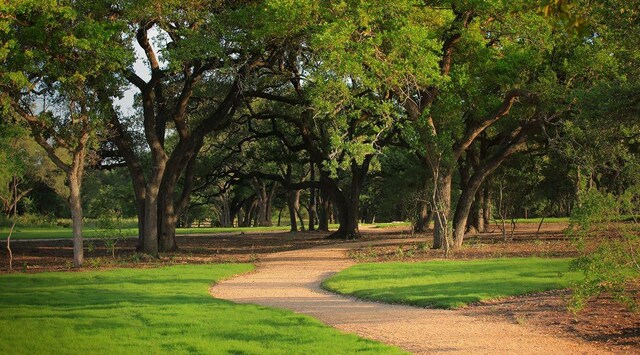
{"x": 612, "y": 265}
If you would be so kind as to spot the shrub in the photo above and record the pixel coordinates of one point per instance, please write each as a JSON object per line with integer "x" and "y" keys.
{"x": 109, "y": 227}
{"x": 613, "y": 263}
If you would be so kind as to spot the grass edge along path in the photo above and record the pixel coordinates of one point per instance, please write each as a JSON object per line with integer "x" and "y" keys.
{"x": 157, "y": 310}
{"x": 450, "y": 284}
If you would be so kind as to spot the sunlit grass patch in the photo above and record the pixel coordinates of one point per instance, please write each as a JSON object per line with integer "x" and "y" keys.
{"x": 451, "y": 284}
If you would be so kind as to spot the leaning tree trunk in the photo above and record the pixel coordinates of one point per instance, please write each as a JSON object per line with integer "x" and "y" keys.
{"x": 476, "y": 220}
{"x": 75, "y": 204}
{"x": 466, "y": 198}
{"x": 464, "y": 207}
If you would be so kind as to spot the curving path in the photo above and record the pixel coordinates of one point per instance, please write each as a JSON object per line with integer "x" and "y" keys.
{"x": 292, "y": 280}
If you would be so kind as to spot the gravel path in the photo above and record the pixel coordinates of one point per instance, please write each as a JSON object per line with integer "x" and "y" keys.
{"x": 292, "y": 280}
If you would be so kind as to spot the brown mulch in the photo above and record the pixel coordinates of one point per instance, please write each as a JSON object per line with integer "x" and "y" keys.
{"x": 603, "y": 321}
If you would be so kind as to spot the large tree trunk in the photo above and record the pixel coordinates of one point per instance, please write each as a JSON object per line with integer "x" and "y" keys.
{"x": 477, "y": 220}
{"x": 486, "y": 206}
{"x": 167, "y": 220}
{"x": 323, "y": 215}
{"x": 347, "y": 218}
{"x": 151, "y": 220}
{"x": 442, "y": 211}
{"x": 423, "y": 219}
{"x": 263, "y": 201}
{"x": 348, "y": 207}
{"x": 225, "y": 214}
{"x": 75, "y": 204}
{"x": 463, "y": 207}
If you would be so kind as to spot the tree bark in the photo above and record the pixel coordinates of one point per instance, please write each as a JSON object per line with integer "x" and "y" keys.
{"x": 477, "y": 220}
{"x": 312, "y": 200}
{"x": 348, "y": 206}
{"x": 269, "y": 211}
{"x": 422, "y": 206}
{"x": 151, "y": 220}
{"x": 486, "y": 206}
{"x": 323, "y": 215}
{"x": 167, "y": 220}
{"x": 505, "y": 150}
{"x": 291, "y": 202}
{"x": 75, "y": 204}
{"x": 297, "y": 209}
{"x": 442, "y": 203}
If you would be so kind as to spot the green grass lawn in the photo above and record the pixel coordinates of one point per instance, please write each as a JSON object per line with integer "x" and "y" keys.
{"x": 62, "y": 233}
{"x": 151, "y": 311}
{"x": 535, "y": 220}
{"x": 383, "y": 225}
{"x": 451, "y": 284}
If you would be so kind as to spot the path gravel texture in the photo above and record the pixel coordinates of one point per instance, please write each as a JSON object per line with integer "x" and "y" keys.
{"x": 292, "y": 280}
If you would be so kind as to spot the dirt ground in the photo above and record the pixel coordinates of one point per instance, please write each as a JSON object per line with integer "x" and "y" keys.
{"x": 603, "y": 322}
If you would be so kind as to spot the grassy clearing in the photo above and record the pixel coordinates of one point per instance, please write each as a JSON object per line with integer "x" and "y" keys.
{"x": 63, "y": 233}
{"x": 451, "y": 284}
{"x": 90, "y": 232}
{"x": 535, "y": 220}
{"x": 383, "y": 225}
{"x": 151, "y": 311}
